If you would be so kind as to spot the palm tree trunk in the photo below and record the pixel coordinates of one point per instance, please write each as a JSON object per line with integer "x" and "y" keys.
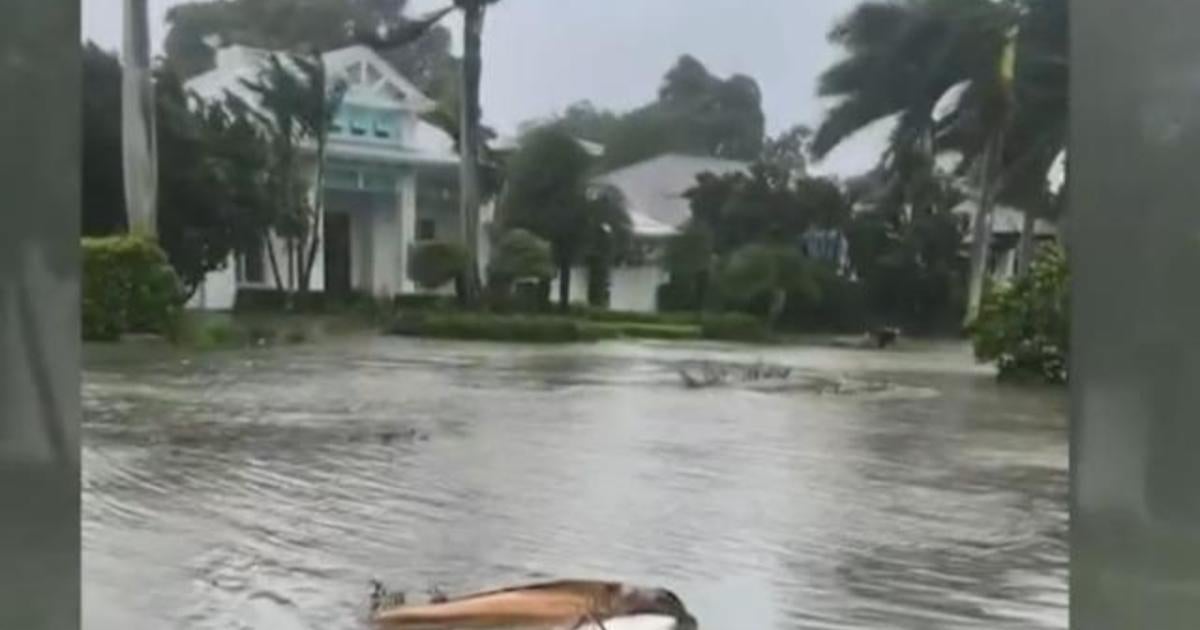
{"x": 564, "y": 286}
{"x": 318, "y": 219}
{"x": 274, "y": 262}
{"x": 138, "y": 143}
{"x": 469, "y": 141}
{"x": 982, "y": 231}
{"x": 1025, "y": 247}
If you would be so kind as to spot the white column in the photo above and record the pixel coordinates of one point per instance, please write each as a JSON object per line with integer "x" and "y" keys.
{"x": 386, "y": 245}
{"x": 406, "y": 222}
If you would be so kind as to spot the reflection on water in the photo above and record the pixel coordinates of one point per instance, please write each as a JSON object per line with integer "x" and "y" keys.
{"x": 264, "y": 489}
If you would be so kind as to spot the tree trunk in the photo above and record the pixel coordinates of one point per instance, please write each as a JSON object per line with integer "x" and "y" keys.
{"x": 1025, "y": 249}
{"x": 137, "y": 123}
{"x": 274, "y": 261}
{"x": 318, "y": 217}
{"x": 982, "y": 231}
{"x": 469, "y": 141}
{"x": 775, "y": 310}
{"x": 564, "y": 286}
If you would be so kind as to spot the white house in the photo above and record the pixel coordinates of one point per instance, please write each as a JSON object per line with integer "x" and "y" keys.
{"x": 391, "y": 180}
{"x": 654, "y": 195}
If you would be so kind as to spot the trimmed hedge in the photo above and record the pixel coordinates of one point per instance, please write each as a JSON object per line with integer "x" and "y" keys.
{"x": 128, "y": 287}
{"x": 531, "y": 328}
{"x": 733, "y": 327}
{"x": 485, "y": 327}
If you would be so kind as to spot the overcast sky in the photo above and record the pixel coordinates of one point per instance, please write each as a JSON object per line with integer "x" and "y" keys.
{"x": 541, "y": 55}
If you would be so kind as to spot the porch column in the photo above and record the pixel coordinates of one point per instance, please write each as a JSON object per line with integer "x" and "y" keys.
{"x": 386, "y": 245}
{"x": 406, "y": 220}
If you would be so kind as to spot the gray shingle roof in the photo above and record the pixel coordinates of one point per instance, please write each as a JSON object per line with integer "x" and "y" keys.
{"x": 654, "y": 188}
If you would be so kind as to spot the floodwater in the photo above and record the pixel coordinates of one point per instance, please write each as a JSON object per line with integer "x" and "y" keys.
{"x": 263, "y": 489}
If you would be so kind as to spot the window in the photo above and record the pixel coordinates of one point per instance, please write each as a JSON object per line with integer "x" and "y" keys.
{"x": 382, "y": 129}
{"x": 426, "y": 230}
{"x": 357, "y": 128}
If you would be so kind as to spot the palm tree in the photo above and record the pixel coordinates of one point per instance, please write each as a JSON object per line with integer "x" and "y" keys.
{"x": 547, "y": 192}
{"x": 903, "y": 58}
{"x": 137, "y": 122}
{"x": 298, "y": 103}
{"x": 470, "y": 137}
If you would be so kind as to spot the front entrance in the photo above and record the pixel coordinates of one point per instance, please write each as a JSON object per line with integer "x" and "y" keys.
{"x": 337, "y": 254}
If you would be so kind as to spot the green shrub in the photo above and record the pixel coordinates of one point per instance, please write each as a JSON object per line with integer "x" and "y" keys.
{"x": 842, "y": 307}
{"x": 422, "y": 302}
{"x": 437, "y": 263}
{"x": 521, "y": 255}
{"x": 488, "y": 327}
{"x": 733, "y": 327}
{"x": 641, "y": 330}
{"x": 678, "y": 295}
{"x": 128, "y": 286}
{"x": 1025, "y": 327}
{"x": 606, "y": 315}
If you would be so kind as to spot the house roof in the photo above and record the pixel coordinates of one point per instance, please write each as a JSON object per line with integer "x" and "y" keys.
{"x": 512, "y": 143}
{"x": 371, "y": 81}
{"x": 654, "y": 189}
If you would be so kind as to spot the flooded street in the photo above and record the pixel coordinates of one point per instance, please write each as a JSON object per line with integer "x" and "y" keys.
{"x": 262, "y": 489}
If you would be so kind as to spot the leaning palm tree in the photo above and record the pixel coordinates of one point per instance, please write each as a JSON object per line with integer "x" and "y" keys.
{"x": 470, "y": 137}
{"x": 137, "y": 122}
{"x": 903, "y": 58}
{"x": 298, "y": 102}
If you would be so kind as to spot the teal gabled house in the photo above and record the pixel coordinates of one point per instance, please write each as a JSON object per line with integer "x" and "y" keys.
{"x": 391, "y": 181}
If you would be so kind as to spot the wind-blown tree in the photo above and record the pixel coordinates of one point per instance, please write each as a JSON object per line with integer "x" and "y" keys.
{"x": 772, "y": 270}
{"x": 547, "y": 193}
{"x": 694, "y": 113}
{"x": 470, "y": 139}
{"x": 287, "y": 25}
{"x": 609, "y": 232}
{"x": 690, "y": 260}
{"x": 1038, "y": 133}
{"x": 210, "y": 191}
{"x": 137, "y": 122}
{"x": 197, "y": 226}
{"x": 103, "y": 208}
{"x": 902, "y": 59}
{"x": 300, "y": 102}
{"x": 788, "y": 151}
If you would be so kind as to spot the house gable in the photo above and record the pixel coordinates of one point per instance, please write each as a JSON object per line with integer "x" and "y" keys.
{"x": 372, "y": 81}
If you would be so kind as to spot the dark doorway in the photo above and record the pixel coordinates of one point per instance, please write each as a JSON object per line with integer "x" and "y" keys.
{"x": 337, "y": 255}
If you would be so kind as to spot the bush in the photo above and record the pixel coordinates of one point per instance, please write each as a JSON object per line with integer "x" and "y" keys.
{"x": 437, "y": 263}
{"x": 678, "y": 295}
{"x": 606, "y": 315}
{"x": 733, "y": 327}
{"x": 521, "y": 255}
{"x": 485, "y": 327}
{"x": 842, "y": 307}
{"x": 422, "y": 302}
{"x": 128, "y": 286}
{"x": 1025, "y": 327}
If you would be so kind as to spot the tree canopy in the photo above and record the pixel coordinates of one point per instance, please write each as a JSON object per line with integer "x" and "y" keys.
{"x": 299, "y": 26}
{"x": 695, "y": 112}
{"x": 548, "y": 193}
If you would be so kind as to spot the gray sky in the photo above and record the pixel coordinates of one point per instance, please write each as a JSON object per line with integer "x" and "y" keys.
{"x": 541, "y": 55}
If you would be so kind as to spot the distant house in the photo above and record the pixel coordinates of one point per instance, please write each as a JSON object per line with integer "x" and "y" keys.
{"x": 391, "y": 181}
{"x": 654, "y": 195}
{"x": 1007, "y": 222}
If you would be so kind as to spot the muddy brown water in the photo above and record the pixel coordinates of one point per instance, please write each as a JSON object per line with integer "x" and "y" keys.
{"x": 263, "y": 489}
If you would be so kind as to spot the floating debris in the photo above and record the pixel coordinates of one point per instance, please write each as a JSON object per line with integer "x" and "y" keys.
{"x": 566, "y": 604}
